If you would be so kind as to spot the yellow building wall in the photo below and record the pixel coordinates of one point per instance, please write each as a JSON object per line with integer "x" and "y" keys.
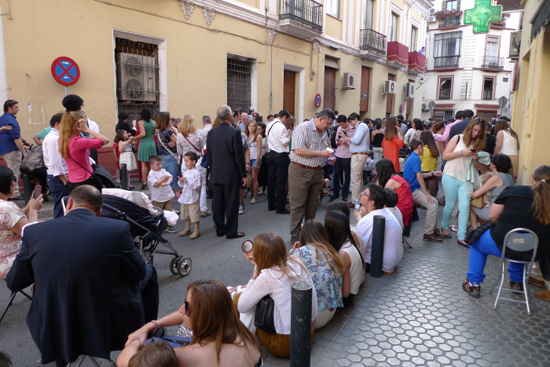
{"x": 333, "y": 27}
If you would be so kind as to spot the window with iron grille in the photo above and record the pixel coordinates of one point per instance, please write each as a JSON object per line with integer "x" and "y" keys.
{"x": 137, "y": 81}
{"x": 239, "y": 83}
{"x": 447, "y": 49}
{"x": 442, "y": 115}
{"x": 487, "y": 115}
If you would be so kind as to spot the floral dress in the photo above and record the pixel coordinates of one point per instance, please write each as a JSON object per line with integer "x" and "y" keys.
{"x": 328, "y": 284}
{"x": 128, "y": 158}
{"x": 10, "y": 214}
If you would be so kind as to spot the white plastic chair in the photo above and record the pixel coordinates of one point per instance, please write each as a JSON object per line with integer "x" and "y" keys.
{"x": 520, "y": 240}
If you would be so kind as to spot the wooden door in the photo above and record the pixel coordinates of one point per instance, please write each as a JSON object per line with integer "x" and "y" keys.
{"x": 289, "y": 91}
{"x": 390, "y": 99}
{"x": 365, "y": 89}
{"x": 329, "y": 99}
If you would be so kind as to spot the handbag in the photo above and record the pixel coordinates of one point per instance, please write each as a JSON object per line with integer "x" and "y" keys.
{"x": 134, "y": 149}
{"x": 263, "y": 319}
{"x": 248, "y": 179}
{"x": 478, "y": 203}
{"x": 204, "y": 162}
{"x": 101, "y": 174}
{"x": 33, "y": 160}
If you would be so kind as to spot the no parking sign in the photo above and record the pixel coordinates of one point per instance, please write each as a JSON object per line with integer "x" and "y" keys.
{"x": 65, "y": 71}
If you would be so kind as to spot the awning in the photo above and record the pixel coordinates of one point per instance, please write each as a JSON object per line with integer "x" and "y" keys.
{"x": 331, "y": 63}
{"x": 540, "y": 19}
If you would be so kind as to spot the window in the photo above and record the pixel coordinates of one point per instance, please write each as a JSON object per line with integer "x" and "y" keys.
{"x": 393, "y": 27}
{"x": 333, "y": 8}
{"x": 445, "y": 87}
{"x": 239, "y": 83}
{"x": 487, "y": 115}
{"x": 491, "y": 59}
{"x": 137, "y": 76}
{"x": 369, "y": 11}
{"x": 452, "y": 5}
{"x": 447, "y": 49}
{"x": 414, "y": 32}
{"x": 488, "y": 88}
{"x": 442, "y": 115}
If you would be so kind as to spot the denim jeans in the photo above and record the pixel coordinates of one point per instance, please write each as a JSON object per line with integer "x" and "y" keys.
{"x": 342, "y": 165}
{"x": 478, "y": 256}
{"x": 170, "y": 164}
{"x": 455, "y": 189}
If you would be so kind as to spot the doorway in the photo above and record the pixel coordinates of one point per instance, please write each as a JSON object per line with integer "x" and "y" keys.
{"x": 289, "y": 91}
{"x": 330, "y": 88}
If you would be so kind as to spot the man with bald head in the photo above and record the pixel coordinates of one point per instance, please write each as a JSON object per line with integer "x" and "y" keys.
{"x": 92, "y": 287}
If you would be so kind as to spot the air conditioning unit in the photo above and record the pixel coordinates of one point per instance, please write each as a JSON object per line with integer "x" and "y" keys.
{"x": 350, "y": 81}
{"x": 410, "y": 90}
{"x": 389, "y": 87}
{"x": 136, "y": 77}
{"x": 425, "y": 108}
{"x": 432, "y": 11}
{"x": 515, "y": 43}
{"x": 432, "y": 19}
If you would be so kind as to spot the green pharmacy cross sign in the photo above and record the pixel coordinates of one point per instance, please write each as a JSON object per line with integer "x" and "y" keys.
{"x": 482, "y": 15}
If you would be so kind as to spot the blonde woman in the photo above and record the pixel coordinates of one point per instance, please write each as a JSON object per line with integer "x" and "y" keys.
{"x": 255, "y": 143}
{"x": 507, "y": 143}
{"x": 76, "y": 150}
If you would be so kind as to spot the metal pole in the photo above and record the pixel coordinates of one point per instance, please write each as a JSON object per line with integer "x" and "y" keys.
{"x": 123, "y": 177}
{"x": 377, "y": 252}
{"x": 300, "y": 324}
{"x": 66, "y": 90}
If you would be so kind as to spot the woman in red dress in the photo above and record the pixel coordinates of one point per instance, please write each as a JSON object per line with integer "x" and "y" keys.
{"x": 388, "y": 178}
{"x": 393, "y": 140}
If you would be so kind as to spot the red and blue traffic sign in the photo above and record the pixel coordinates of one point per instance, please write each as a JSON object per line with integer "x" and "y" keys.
{"x": 318, "y": 100}
{"x": 65, "y": 71}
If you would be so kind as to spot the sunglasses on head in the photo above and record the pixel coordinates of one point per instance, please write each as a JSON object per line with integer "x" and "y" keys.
{"x": 187, "y": 310}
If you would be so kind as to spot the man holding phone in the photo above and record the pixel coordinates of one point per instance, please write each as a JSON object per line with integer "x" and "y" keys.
{"x": 57, "y": 168}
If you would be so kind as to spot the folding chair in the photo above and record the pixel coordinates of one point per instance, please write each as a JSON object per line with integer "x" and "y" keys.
{"x": 520, "y": 240}
{"x": 13, "y": 294}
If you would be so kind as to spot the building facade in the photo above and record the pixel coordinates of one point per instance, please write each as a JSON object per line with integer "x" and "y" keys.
{"x": 192, "y": 56}
{"x": 532, "y": 92}
{"x": 467, "y": 70}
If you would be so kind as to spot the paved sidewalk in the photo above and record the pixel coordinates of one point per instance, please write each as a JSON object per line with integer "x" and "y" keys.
{"x": 419, "y": 316}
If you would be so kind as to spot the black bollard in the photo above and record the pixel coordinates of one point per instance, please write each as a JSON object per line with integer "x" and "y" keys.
{"x": 123, "y": 177}
{"x": 377, "y": 252}
{"x": 300, "y": 324}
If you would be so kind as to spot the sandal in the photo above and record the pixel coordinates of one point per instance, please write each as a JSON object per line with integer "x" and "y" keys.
{"x": 454, "y": 228}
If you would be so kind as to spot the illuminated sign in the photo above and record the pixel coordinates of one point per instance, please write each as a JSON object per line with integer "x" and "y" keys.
{"x": 482, "y": 15}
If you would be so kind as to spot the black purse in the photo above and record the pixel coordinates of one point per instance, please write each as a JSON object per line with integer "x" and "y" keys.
{"x": 263, "y": 319}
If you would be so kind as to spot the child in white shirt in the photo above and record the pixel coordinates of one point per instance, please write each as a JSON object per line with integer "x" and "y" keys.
{"x": 159, "y": 183}
{"x": 190, "y": 182}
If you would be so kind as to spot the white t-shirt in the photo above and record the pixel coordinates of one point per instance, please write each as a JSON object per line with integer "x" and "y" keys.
{"x": 356, "y": 271}
{"x": 393, "y": 247}
{"x": 160, "y": 194}
{"x": 277, "y": 137}
{"x": 398, "y": 215}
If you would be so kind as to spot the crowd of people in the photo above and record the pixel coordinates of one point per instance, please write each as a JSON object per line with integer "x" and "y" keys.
{"x": 467, "y": 165}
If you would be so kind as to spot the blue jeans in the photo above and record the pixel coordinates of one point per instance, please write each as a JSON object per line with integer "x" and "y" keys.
{"x": 58, "y": 190}
{"x": 478, "y": 256}
{"x": 170, "y": 164}
{"x": 341, "y": 165}
{"x": 253, "y": 163}
{"x": 455, "y": 189}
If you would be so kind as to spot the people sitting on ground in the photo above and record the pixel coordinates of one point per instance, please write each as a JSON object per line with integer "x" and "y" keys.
{"x": 391, "y": 205}
{"x": 414, "y": 176}
{"x": 344, "y": 208}
{"x": 494, "y": 178}
{"x": 274, "y": 272}
{"x": 12, "y": 220}
{"x": 516, "y": 207}
{"x": 373, "y": 200}
{"x": 340, "y": 237}
{"x": 325, "y": 266}
{"x": 388, "y": 178}
{"x": 219, "y": 337}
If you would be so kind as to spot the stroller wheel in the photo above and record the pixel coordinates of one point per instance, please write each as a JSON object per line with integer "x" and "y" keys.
{"x": 174, "y": 264}
{"x": 184, "y": 266}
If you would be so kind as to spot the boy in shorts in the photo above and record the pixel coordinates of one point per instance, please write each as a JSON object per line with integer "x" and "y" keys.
{"x": 190, "y": 182}
{"x": 159, "y": 183}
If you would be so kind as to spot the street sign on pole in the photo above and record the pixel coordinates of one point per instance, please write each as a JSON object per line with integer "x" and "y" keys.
{"x": 431, "y": 105}
{"x": 65, "y": 71}
{"x": 502, "y": 102}
{"x": 317, "y": 100}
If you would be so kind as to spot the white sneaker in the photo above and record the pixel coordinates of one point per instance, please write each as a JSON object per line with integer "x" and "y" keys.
{"x": 261, "y": 191}
{"x": 253, "y": 201}
{"x": 248, "y": 194}
{"x": 241, "y": 208}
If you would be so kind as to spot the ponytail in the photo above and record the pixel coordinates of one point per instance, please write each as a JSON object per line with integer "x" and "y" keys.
{"x": 541, "y": 187}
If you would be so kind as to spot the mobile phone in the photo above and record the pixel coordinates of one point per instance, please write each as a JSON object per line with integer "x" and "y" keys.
{"x": 473, "y": 150}
{"x": 37, "y": 190}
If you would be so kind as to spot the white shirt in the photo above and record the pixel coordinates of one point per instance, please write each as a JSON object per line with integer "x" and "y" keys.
{"x": 203, "y": 133}
{"x": 52, "y": 156}
{"x": 277, "y": 137}
{"x": 398, "y": 215}
{"x": 271, "y": 281}
{"x": 159, "y": 194}
{"x": 93, "y": 126}
{"x": 356, "y": 271}
{"x": 393, "y": 247}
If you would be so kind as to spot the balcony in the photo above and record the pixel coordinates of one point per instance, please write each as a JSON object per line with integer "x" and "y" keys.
{"x": 372, "y": 43}
{"x": 443, "y": 62}
{"x": 492, "y": 63}
{"x": 449, "y": 21}
{"x": 301, "y": 18}
{"x": 398, "y": 53}
{"x": 417, "y": 62}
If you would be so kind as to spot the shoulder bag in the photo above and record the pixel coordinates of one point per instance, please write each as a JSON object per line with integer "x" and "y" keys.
{"x": 171, "y": 153}
{"x": 263, "y": 318}
{"x": 101, "y": 174}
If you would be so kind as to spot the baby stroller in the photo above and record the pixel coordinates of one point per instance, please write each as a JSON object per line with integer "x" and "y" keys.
{"x": 147, "y": 228}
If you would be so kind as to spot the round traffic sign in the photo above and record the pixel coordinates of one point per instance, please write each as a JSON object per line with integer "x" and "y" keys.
{"x": 318, "y": 100}
{"x": 65, "y": 71}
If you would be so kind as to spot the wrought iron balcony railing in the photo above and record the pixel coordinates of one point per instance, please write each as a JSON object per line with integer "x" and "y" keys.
{"x": 446, "y": 61}
{"x": 450, "y": 21}
{"x": 492, "y": 62}
{"x": 373, "y": 41}
{"x": 307, "y": 12}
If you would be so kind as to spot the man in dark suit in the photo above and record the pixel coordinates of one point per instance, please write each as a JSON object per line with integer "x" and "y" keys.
{"x": 458, "y": 128}
{"x": 224, "y": 152}
{"x": 92, "y": 287}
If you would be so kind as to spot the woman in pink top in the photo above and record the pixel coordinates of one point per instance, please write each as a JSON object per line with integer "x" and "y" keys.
{"x": 76, "y": 150}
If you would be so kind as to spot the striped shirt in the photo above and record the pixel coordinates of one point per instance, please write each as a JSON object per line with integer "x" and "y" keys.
{"x": 306, "y": 136}
{"x": 191, "y": 189}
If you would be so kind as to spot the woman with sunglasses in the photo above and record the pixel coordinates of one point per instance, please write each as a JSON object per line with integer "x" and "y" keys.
{"x": 273, "y": 275}
{"x": 219, "y": 337}
{"x": 12, "y": 220}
